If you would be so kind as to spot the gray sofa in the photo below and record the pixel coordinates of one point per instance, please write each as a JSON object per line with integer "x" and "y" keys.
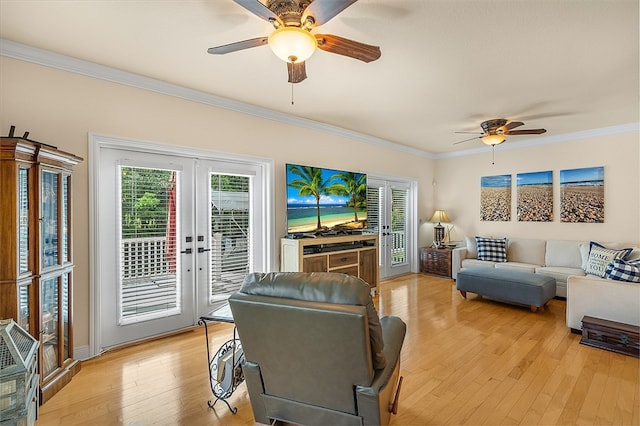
{"x": 316, "y": 351}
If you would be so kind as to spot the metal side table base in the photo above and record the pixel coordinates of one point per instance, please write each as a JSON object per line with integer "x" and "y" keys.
{"x": 225, "y": 366}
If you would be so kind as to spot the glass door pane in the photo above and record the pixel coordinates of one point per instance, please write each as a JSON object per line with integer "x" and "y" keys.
{"x": 399, "y": 199}
{"x": 49, "y": 219}
{"x": 49, "y": 326}
{"x": 149, "y": 285}
{"x": 229, "y": 236}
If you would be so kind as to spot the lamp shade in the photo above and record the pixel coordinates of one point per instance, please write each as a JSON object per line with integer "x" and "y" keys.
{"x": 439, "y": 216}
{"x": 493, "y": 140}
{"x": 292, "y": 44}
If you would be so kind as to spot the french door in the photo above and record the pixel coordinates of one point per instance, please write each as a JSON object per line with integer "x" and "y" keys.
{"x": 177, "y": 236}
{"x": 390, "y": 213}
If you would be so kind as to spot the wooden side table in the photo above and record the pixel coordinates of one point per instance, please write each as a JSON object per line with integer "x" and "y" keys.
{"x": 435, "y": 261}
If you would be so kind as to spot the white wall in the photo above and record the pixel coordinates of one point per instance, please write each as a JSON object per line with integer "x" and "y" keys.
{"x": 61, "y": 108}
{"x": 458, "y": 188}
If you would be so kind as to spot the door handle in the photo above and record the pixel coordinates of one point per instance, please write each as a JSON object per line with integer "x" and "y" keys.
{"x": 187, "y": 251}
{"x": 202, "y": 249}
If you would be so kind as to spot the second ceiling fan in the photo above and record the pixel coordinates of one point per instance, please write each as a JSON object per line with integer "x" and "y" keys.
{"x": 292, "y": 40}
{"x": 495, "y": 131}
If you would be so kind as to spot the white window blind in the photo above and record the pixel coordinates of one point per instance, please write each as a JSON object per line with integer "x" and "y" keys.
{"x": 148, "y": 286}
{"x": 231, "y": 245}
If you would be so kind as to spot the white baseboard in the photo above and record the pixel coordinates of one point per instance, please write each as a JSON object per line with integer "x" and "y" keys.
{"x": 81, "y": 353}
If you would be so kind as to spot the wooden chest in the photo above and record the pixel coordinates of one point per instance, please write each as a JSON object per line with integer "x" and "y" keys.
{"x": 611, "y": 335}
{"x": 435, "y": 261}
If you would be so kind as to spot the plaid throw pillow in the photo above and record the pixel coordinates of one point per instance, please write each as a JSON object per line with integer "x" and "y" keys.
{"x": 492, "y": 249}
{"x": 623, "y": 270}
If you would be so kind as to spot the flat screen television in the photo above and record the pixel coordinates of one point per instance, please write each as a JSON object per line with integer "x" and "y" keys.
{"x": 325, "y": 201}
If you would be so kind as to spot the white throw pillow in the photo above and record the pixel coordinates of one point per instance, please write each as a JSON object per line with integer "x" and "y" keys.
{"x": 600, "y": 257}
{"x": 472, "y": 248}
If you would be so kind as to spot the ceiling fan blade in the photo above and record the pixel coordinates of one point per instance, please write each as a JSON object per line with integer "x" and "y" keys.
{"x": 526, "y": 132}
{"x": 323, "y": 11}
{"x": 346, "y": 47}
{"x": 259, "y": 9}
{"x": 238, "y": 45}
{"x": 471, "y": 133}
{"x": 513, "y": 125}
{"x": 297, "y": 72}
{"x": 467, "y": 140}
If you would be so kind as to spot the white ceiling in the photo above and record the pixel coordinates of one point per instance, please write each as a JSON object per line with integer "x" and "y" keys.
{"x": 446, "y": 65}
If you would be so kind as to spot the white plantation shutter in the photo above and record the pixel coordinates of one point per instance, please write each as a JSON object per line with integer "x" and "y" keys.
{"x": 375, "y": 209}
{"x": 148, "y": 284}
{"x": 399, "y": 202}
{"x": 231, "y": 246}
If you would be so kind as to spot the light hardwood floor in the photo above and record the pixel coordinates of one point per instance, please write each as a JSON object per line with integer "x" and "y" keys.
{"x": 464, "y": 362}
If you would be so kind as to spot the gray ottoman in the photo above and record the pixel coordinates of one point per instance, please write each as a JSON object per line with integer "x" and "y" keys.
{"x": 523, "y": 288}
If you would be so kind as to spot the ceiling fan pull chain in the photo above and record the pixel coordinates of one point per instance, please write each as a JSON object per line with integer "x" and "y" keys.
{"x": 493, "y": 154}
{"x": 291, "y": 93}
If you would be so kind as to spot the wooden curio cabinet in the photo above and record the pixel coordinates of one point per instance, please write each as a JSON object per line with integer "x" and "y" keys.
{"x": 36, "y": 271}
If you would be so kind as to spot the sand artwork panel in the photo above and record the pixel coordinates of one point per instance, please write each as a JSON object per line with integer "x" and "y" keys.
{"x": 495, "y": 198}
{"x": 535, "y": 196}
{"x": 582, "y": 195}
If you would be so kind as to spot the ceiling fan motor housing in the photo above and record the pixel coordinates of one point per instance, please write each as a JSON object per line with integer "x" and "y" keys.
{"x": 493, "y": 127}
{"x": 289, "y": 11}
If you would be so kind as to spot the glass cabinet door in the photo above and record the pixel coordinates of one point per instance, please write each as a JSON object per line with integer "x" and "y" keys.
{"x": 23, "y": 221}
{"x": 49, "y": 327}
{"x": 49, "y": 219}
{"x": 64, "y": 305}
{"x": 24, "y": 306}
{"x": 65, "y": 219}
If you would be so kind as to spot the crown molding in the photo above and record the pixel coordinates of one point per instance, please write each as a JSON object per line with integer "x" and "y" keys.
{"x": 23, "y": 52}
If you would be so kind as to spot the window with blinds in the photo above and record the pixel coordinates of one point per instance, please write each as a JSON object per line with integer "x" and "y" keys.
{"x": 149, "y": 286}
{"x": 231, "y": 245}
{"x": 399, "y": 202}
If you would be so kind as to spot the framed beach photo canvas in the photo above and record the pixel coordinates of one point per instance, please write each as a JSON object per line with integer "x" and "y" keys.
{"x": 582, "y": 195}
{"x": 495, "y": 198}
{"x": 535, "y": 196}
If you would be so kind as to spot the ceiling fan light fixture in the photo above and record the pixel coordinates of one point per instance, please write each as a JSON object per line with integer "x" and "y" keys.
{"x": 292, "y": 44}
{"x": 493, "y": 140}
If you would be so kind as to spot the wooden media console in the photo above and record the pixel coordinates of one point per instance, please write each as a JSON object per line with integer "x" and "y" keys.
{"x": 348, "y": 254}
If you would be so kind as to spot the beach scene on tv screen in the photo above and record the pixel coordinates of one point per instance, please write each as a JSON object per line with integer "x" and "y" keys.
{"x": 320, "y": 199}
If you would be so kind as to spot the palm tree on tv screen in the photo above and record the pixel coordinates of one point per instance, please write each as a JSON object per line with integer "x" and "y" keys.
{"x": 353, "y": 185}
{"x": 310, "y": 182}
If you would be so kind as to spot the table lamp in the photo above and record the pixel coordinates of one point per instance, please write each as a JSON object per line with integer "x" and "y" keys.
{"x": 438, "y": 230}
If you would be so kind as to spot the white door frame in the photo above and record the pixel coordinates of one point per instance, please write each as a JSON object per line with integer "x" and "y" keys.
{"x": 96, "y": 143}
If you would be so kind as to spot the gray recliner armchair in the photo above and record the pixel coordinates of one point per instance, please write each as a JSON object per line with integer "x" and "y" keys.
{"x": 316, "y": 352}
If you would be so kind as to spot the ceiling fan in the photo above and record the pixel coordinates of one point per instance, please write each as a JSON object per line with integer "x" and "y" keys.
{"x": 292, "y": 40}
{"x": 495, "y": 131}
